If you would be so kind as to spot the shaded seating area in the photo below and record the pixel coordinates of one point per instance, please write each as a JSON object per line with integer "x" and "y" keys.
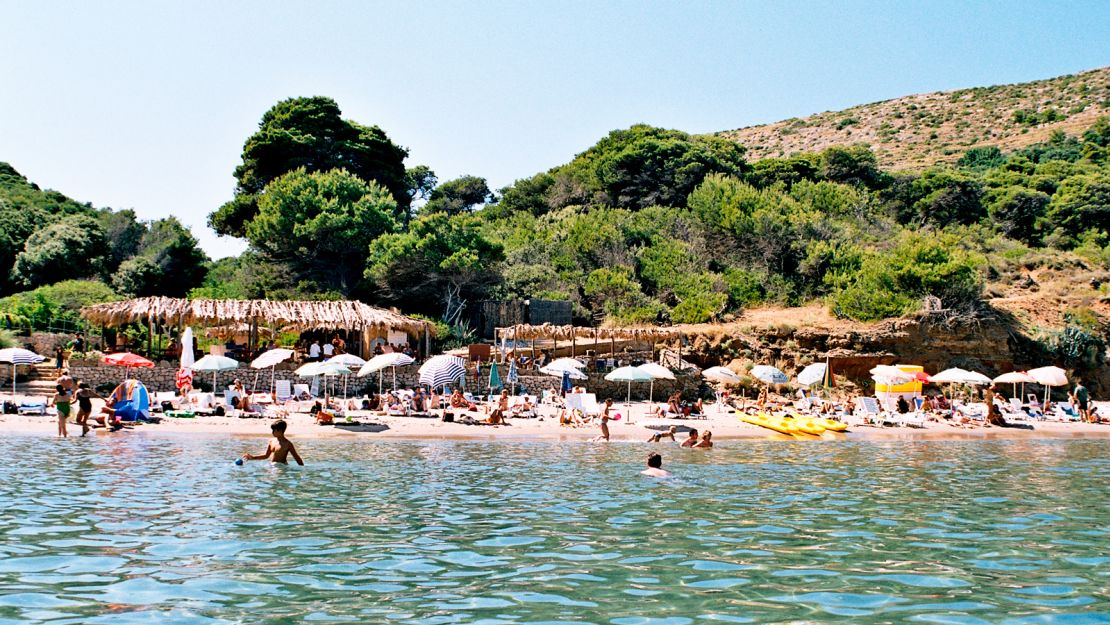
{"x": 257, "y": 321}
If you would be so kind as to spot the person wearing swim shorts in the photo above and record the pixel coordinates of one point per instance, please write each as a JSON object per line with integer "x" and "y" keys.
{"x": 279, "y": 448}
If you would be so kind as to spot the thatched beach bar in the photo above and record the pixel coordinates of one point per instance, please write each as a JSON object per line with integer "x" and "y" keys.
{"x": 359, "y": 319}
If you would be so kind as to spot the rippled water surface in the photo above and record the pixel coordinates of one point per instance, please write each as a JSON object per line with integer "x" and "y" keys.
{"x": 167, "y": 530}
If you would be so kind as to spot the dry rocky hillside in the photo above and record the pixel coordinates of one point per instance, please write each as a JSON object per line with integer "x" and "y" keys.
{"x": 917, "y": 131}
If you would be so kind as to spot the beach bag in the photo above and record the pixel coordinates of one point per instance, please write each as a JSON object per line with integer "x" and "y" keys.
{"x": 448, "y": 417}
{"x": 10, "y": 408}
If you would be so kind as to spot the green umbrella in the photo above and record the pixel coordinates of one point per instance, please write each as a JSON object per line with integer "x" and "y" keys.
{"x": 494, "y": 377}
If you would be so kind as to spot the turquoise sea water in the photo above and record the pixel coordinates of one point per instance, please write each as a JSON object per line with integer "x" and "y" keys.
{"x": 133, "y": 529}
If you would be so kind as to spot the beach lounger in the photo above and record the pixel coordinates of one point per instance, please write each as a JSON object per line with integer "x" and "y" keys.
{"x": 589, "y": 405}
{"x": 161, "y": 398}
{"x": 301, "y": 391}
{"x": 35, "y": 406}
{"x": 867, "y": 408}
{"x": 283, "y": 390}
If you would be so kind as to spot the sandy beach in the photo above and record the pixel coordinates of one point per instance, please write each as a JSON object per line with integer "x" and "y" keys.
{"x": 724, "y": 425}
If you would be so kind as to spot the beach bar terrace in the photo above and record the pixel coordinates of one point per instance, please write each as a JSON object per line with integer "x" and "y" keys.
{"x": 354, "y": 318}
{"x": 575, "y": 339}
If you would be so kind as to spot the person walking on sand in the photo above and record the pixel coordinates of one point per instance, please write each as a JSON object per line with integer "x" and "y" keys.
{"x": 279, "y": 448}
{"x": 655, "y": 466}
{"x": 84, "y": 396}
{"x": 61, "y": 401}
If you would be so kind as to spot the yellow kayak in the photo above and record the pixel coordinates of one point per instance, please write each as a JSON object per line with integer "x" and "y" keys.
{"x": 799, "y": 426}
{"x": 783, "y": 425}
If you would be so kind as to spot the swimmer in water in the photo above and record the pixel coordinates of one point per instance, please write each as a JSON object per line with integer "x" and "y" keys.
{"x": 659, "y": 436}
{"x": 655, "y": 466}
{"x": 692, "y": 440}
{"x": 279, "y": 448}
{"x": 706, "y": 440}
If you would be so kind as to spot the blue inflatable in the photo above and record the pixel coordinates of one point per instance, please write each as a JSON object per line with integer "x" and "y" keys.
{"x": 131, "y": 401}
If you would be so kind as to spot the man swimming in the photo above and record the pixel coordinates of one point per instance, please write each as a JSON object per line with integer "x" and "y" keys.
{"x": 655, "y": 466}
{"x": 279, "y": 448}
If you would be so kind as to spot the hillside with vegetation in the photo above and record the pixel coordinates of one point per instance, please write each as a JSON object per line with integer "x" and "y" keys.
{"x": 647, "y": 226}
{"x": 918, "y": 131}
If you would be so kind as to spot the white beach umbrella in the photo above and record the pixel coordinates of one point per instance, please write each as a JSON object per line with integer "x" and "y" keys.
{"x": 381, "y": 362}
{"x": 347, "y": 360}
{"x": 19, "y": 356}
{"x": 657, "y": 372}
{"x": 442, "y": 370}
{"x": 769, "y": 375}
{"x": 813, "y": 374}
{"x": 574, "y": 374}
{"x": 886, "y": 374}
{"x": 630, "y": 375}
{"x": 325, "y": 369}
{"x": 215, "y": 364}
{"x": 1049, "y": 377}
{"x": 1015, "y": 378}
{"x": 960, "y": 376}
{"x": 269, "y": 360}
{"x": 720, "y": 374}
{"x": 560, "y": 363}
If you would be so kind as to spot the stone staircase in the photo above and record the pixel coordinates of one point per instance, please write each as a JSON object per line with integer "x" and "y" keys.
{"x": 41, "y": 380}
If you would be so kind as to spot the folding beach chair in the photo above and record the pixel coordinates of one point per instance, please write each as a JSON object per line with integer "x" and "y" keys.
{"x": 868, "y": 409}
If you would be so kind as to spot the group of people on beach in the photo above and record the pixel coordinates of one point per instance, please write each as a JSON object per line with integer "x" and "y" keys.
{"x": 66, "y": 392}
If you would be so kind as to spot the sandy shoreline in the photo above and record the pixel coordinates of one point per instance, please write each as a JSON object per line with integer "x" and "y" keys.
{"x": 725, "y": 426}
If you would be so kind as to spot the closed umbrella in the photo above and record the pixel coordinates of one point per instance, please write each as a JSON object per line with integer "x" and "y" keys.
{"x": 769, "y": 375}
{"x": 630, "y": 375}
{"x": 19, "y": 356}
{"x": 187, "y": 349}
{"x": 215, "y": 364}
{"x": 439, "y": 371}
{"x": 566, "y": 387}
{"x": 657, "y": 372}
{"x": 494, "y": 377}
{"x": 513, "y": 378}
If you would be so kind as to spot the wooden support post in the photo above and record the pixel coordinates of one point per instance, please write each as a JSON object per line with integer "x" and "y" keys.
{"x": 573, "y": 339}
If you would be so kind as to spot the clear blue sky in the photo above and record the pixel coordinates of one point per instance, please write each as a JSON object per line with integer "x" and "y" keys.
{"x": 146, "y": 104}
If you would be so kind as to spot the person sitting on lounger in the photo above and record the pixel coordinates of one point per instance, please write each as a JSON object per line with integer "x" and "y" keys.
{"x": 501, "y": 411}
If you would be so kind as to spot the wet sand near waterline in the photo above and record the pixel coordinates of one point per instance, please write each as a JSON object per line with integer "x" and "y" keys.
{"x": 725, "y": 426}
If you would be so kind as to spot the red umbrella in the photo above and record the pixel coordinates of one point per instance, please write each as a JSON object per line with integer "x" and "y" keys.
{"x": 126, "y": 359}
{"x": 922, "y": 377}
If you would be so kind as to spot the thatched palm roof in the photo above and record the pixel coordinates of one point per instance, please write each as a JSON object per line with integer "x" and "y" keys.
{"x": 302, "y": 315}
{"x": 526, "y": 332}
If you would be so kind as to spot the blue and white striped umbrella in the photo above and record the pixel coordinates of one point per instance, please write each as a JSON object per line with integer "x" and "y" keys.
{"x": 442, "y": 370}
{"x": 19, "y": 356}
{"x": 769, "y": 375}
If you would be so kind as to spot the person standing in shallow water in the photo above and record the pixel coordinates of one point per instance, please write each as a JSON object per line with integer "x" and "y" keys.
{"x": 604, "y": 436}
